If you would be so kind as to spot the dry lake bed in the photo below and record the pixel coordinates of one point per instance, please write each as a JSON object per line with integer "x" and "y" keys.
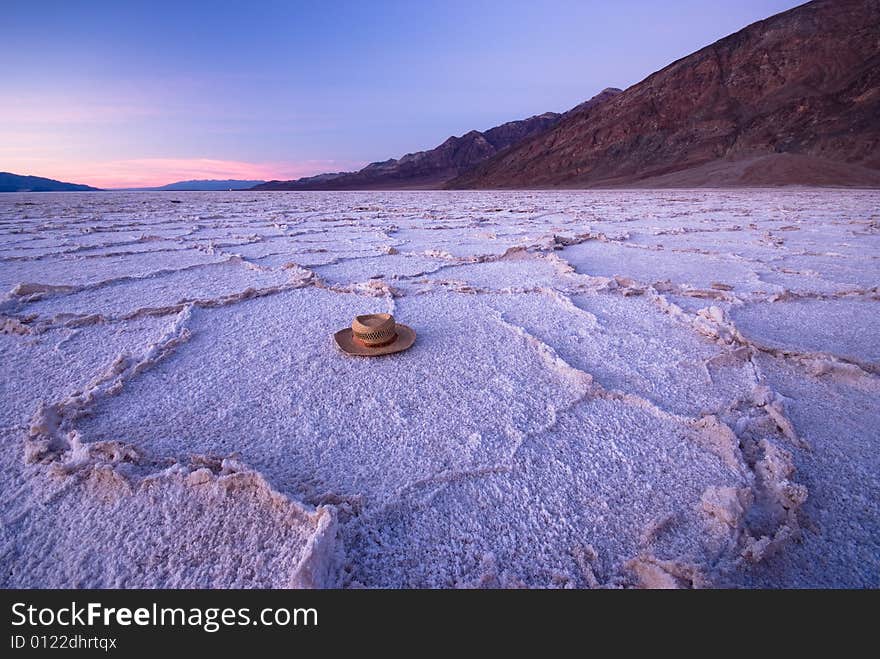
{"x": 608, "y": 389}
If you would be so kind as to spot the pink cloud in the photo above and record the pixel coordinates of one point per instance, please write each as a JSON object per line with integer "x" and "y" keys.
{"x": 149, "y": 172}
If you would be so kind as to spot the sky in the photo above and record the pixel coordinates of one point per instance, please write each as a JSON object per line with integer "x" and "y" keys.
{"x": 124, "y": 94}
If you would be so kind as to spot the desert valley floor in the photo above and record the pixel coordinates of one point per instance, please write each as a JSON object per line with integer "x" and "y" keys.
{"x": 609, "y": 389}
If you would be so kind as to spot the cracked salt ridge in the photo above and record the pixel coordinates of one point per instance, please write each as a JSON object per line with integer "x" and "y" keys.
{"x": 132, "y": 495}
{"x": 75, "y": 245}
{"x": 55, "y": 364}
{"x": 146, "y": 244}
{"x": 826, "y": 273}
{"x": 71, "y": 249}
{"x": 201, "y": 525}
{"x": 838, "y": 418}
{"x": 378, "y": 267}
{"x": 514, "y": 270}
{"x": 624, "y": 345}
{"x": 845, "y": 328}
{"x": 84, "y": 272}
{"x": 473, "y": 240}
{"x": 775, "y": 266}
{"x": 598, "y": 477}
{"x": 216, "y": 284}
{"x": 608, "y": 260}
{"x": 270, "y": 247}
{"x": 81, "y": 239}
{"x": 27, "y": 293}
{"x": 311, "y": 257}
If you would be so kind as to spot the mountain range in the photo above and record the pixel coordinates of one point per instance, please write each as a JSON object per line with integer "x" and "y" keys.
{"x": 793, "y": 99}
{"x": 203, "y": 185}
{"x": 437, "y": 166}
{"x": 427, "y": 169}
{"x": 18, "y": 183}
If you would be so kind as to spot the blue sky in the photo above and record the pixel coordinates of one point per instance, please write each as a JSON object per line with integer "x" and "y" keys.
{"x": 128, "y": 93}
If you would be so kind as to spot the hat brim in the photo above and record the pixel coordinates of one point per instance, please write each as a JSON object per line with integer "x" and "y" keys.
{"x": 345, "y": 339}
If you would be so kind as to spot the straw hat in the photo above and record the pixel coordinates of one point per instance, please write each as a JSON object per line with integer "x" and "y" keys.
{"x": 375, "y": 334}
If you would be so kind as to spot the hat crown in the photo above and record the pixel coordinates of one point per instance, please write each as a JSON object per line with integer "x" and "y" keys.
{"x": 374, "y": 329}
{"x": 375, "y": 334}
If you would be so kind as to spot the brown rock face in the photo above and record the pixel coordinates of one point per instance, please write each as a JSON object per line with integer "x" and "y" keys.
{"x": 793, "y": 99}
{"x": 426, "y": 169}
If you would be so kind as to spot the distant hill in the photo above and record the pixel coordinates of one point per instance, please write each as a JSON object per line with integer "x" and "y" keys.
{"x": 202, "y": 185}
{"x": 317, "y": 179}
{"x": 432, "y": 168}
{"x": 18, "y": 183}
{"x": 793, "y": 99}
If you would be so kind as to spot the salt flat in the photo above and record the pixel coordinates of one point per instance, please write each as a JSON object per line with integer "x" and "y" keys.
{"x": 652, "y": 388}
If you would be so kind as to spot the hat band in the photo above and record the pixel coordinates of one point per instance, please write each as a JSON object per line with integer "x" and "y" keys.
{"x": 376, "y": 339}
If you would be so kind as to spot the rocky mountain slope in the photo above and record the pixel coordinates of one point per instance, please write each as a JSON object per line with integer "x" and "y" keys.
{"x": 793, "y": 99}
{"x": 432, "y": 168}
{"x": 18, "y": 183}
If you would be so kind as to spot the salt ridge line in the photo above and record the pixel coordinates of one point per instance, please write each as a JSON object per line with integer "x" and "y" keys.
{"x": 25, "y": 293}
{"x": 709, "y": 322}
{"x": 713, "y": 322}
{"x": 775, "y": 467}
{"x": 684, "y": 291}
{"x": 55, "y": 447}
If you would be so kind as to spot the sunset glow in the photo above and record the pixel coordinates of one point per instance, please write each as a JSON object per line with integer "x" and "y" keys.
{"x": 140, "y": 94}
{"x": 153, "y": 172}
